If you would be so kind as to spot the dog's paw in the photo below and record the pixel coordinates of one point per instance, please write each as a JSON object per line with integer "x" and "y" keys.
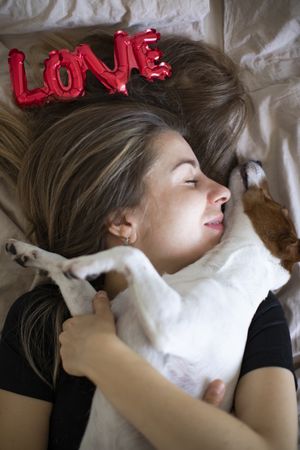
{"x": 23, "y": 254}
{"x": 81, "y": 268}
{"x": 28, "y": 255}
{"x": 121, "y": 259}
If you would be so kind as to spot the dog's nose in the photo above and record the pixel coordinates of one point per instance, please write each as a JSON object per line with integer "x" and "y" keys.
{"x": 256, "y": 162}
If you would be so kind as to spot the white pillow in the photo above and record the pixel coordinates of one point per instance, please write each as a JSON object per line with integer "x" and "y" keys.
{"x": 24, "y": 16}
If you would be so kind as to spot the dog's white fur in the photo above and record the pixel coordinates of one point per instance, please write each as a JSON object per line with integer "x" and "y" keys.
{"x": 191, "y": 326}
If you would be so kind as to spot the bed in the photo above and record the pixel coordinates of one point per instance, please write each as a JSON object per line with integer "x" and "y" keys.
{"x": 263, "y": 36}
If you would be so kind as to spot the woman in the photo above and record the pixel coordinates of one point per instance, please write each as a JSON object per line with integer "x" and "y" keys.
{"x": 96, "y": 174}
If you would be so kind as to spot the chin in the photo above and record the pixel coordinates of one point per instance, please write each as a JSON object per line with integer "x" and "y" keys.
{"x": 212, "y": 243}
{"x": 183, "y": 261}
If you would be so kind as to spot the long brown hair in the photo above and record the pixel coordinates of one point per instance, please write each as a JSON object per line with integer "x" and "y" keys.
{"x": 204, "y": 88}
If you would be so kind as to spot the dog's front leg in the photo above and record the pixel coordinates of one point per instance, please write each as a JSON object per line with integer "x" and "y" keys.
{"x": 78, "y": 294}
{"x": 157, "y": 304}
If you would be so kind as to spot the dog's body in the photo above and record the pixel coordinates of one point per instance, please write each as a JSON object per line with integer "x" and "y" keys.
{"x": 192, "y": 325}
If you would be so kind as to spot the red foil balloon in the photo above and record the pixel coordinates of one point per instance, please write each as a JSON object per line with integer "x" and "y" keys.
{"x": 129, "y": 52}
{"x": 23, "y": 96}
{"x": 146, "y": 57}
{"x": 58, "y": 59}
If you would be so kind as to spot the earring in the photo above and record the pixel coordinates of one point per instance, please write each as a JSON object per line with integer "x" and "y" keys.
{"x": 126, "y": 240}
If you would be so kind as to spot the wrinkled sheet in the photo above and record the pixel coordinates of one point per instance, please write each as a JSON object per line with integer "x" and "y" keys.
{"x": 262, "y": 36}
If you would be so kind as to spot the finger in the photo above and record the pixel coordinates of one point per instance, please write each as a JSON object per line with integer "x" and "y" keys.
{"x": 101, "y": 302}
{"x": 215, "y": 392}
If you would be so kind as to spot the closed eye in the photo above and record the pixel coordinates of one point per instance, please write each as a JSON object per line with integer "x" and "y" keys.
{"x": 192, "y": 181}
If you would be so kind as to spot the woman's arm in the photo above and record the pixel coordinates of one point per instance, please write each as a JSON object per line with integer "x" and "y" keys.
{"x": 265, "y": 410}
{"x": 24, "y": 422}
{"x": 266, "y": 401}
{"x": 266, "y": 413}
{"x": 26, "y": 401}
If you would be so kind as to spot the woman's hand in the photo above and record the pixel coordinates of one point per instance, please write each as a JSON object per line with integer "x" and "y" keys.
{"x": 83, "y": 337}
{"x": 87, "y": 335}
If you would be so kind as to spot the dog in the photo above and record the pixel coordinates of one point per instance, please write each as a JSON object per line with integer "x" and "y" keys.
{"x": 192, "y": 325}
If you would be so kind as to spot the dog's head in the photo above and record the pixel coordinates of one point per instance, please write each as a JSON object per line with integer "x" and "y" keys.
{"x": 271, "y": 221}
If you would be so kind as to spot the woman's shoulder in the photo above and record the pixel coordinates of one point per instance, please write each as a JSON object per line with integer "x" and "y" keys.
{"x": 30, "y": 300}
{"x": 35, "y": 294}
{"x": 268, "y": 342}
{"x": 33, "y": 315}
{"x": 29, "y": 322}
{"x": 268, "y": 318}
{"x": 270, "y": 302}
{"x": 36, "y": 305}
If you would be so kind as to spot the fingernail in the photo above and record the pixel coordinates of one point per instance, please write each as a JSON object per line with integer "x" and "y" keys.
{"x": 101, "y": 294}
{"x": 219, "y": 389}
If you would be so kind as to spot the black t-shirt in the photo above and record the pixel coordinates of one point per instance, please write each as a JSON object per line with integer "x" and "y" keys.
{"x": 268, "y": 344}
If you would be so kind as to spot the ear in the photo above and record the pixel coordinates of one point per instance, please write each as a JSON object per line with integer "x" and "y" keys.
{"x": 123, "y": 224}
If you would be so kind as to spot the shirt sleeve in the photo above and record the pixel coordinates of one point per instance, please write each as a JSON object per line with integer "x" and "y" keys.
{"x": 268, "y": 342}
{"x": 16, "y": 375}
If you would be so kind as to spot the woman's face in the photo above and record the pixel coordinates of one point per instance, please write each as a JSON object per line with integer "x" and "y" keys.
{"x": 182, "y": 218}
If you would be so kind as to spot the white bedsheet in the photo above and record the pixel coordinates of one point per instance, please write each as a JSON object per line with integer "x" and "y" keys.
{"x": 263, "y": 36}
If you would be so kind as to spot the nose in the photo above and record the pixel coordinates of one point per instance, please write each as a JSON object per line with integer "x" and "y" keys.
{"x": 218, "y": 194}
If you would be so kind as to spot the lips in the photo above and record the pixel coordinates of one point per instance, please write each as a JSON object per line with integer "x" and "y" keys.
{"x": 216, "y": 223}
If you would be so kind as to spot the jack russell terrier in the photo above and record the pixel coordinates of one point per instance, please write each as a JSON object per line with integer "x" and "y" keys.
{"x": 192, "y": 325}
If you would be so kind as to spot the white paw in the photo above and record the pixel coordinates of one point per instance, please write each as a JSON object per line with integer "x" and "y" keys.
{"x": 22, "y": 253}
{"x": 91, "y": 266}
{"x": 85, "y": 267}
{"x": 28, "y": 255}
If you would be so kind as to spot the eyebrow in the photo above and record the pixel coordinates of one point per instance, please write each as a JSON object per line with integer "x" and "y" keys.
{"x": 192, "y": 162}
